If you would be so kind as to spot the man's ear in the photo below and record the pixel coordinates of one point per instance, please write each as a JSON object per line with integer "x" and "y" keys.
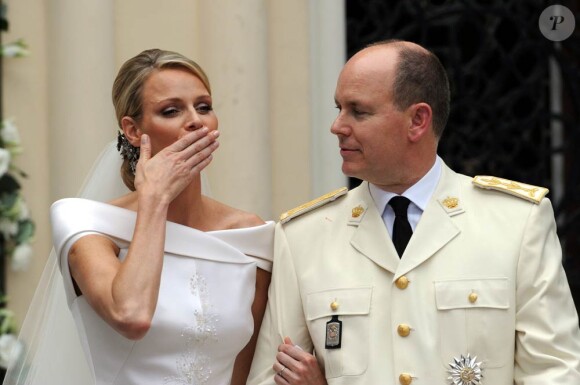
{"x": 131, "y": 131}
{"x": 421, "y": 121}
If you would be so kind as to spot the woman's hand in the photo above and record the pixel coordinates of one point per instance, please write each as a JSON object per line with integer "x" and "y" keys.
{"x": 296, "y": 367}
{"x": 172, "y": 169}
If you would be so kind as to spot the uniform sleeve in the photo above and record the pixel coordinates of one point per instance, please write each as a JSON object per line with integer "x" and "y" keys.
{"x": 547, "y": 333}
{"x": 284, "y": 314}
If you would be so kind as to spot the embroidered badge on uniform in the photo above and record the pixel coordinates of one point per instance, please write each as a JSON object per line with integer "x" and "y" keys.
{"x": 450, "y": 202}
{"x": 465, "y": 370}
{"x": 357, "y": 211}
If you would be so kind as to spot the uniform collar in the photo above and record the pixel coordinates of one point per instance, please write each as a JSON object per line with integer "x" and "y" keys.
{"x": 419, "y": 194}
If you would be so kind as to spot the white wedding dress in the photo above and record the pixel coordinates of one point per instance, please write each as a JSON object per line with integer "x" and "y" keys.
{"x": 203, "y": 316}
{"x": 202, "y": 319}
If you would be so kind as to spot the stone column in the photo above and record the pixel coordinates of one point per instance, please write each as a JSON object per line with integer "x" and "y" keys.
{"x": 290, "y": 103}
{"x": 234, "y": 51}
{"x": 328, "y": 55}
{"x": 81, "y": 73}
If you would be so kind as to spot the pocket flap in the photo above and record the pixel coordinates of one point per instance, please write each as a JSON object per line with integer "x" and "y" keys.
{"x": 348, "y": 301}
{"x": 472, "y": 293}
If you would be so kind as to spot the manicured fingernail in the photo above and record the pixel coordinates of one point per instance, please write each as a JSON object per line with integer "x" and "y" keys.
{"x": 144, "y": 139}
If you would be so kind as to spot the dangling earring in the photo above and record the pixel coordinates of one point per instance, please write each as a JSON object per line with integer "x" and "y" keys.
{"x": 128, "y": 151}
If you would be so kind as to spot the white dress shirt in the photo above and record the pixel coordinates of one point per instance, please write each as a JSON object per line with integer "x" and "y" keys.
{"x": 419, "y": 195}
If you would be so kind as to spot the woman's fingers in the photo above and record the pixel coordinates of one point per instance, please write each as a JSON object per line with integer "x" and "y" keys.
{"x": 199, "y": 151}
{"x": 145, "y": 149}
{"x": 203, "y": 146}
{"x": 301, "y": 367}
{"x": 203, "y": 158}
{"x": 194, "y": 149}
{"x": 280, "y": 370}
{"x": 144, "y": 152}
{"x": 193, "y": 142}
{"x": 188, "y": 139}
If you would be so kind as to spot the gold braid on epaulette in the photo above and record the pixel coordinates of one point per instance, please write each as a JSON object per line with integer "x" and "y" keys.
{"x": 528, "y": 192}
{"x": 315, "y": 203}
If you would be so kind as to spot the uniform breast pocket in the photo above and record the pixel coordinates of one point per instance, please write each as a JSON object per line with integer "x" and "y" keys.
{"x": 352, "y": 307}
{"x": 475, "y": 317}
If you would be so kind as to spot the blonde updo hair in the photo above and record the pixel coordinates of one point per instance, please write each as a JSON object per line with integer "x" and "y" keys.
{"x": 128, "y": 89}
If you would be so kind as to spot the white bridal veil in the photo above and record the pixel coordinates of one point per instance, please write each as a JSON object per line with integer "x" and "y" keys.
{"x": 49, "y": 351}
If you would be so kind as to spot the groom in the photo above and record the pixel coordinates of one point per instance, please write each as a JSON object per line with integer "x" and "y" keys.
{"x": 420, "y": 275}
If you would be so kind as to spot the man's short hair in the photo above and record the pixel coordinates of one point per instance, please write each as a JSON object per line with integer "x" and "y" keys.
{"x": 420, "y": 78}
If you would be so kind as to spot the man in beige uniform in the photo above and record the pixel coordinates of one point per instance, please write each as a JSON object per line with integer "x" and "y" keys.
{"x": 478, "y": 296}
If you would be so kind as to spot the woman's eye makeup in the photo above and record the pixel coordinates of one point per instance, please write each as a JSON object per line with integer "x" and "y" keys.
{"x": 169, "y": 111}
{"x": 203, "y": 108}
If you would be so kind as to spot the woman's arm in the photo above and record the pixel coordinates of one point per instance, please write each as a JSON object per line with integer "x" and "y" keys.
{"x": 244, "y": 358}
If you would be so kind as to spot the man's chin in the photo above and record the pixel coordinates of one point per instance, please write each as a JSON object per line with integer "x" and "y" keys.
{"x": 350, "y": 171}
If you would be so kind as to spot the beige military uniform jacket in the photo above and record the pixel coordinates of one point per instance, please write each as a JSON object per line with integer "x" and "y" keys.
{"x": 481, "y": 276}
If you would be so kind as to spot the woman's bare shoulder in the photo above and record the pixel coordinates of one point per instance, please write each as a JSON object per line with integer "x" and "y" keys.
{"x": 232, "y": 218}
{"x": 127, "y": 201}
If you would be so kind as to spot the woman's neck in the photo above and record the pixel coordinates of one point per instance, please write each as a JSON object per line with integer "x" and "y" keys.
{"x": 187, "y": 208}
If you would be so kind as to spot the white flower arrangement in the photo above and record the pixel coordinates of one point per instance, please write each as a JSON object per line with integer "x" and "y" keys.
{"x": 10, "y": 136}
{"x": 17, "y": 48}
{"x": 5, "y": 159}
{"x": 16, "y": 227}
{"x": 10, "y": 347}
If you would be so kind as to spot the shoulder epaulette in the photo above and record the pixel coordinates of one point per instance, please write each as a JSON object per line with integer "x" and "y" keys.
{"x": 528, "y": 192}
{"x": 308, "y": 206}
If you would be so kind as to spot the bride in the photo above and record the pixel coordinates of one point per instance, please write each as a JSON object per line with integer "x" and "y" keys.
{"x": 165, "y": 285}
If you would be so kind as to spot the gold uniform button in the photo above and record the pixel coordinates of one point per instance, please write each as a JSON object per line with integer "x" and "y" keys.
{"x": 402, "y": 282}
{"x": 405, "y": 379}
{"x": 334, "y": 305}
{"x": 404, "y": 330}
{"x": 472, "y": 297}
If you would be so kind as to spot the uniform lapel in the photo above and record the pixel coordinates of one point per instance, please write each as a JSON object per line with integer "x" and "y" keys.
{"x": 370, "y": 237}
{"x": 436, "y": 227}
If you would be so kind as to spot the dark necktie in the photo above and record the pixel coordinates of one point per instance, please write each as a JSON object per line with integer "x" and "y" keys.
{"x": 401, "y": 228}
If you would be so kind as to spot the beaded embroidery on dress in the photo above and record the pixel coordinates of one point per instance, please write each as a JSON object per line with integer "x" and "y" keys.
{"x": 193, "y": 365}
